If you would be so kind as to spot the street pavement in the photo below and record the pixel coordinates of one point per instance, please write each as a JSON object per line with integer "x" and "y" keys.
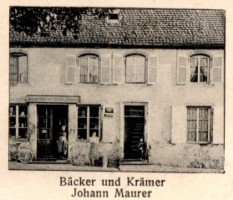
{"x": 12, "y": 165}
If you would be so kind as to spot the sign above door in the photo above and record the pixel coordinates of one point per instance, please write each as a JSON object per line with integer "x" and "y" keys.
{"x": 52, "y": 99}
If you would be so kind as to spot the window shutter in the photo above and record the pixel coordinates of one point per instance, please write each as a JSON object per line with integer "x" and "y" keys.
{"x": 179, "y": 124}
{"x": 182, "y": 70}
{"x": 217, "y": 69}
{"x": 106, "y": 69}
{"x": 70, "y": 69}
{"x": 218, "y": 125}
{"x": 78, "y": 70}
{"x": 22, "y": 61}
{"x": 152, "y": 69}
{"x": 118, "y": 69}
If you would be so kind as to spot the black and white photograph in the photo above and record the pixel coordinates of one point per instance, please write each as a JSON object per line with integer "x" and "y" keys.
{"x": 116, "y": 99}
{"x": 116, "y": 89}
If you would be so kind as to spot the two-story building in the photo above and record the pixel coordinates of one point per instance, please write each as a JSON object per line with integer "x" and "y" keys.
{"x": 125, "y": 74}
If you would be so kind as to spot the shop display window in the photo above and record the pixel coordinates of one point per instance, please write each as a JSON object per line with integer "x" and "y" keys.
{"x": 88, "y": 121}
{"x": 18, "y": 121}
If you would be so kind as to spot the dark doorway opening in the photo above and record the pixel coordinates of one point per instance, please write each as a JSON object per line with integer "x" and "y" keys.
{"x": 50, "y": 120}
{"x": 134, "y": 131}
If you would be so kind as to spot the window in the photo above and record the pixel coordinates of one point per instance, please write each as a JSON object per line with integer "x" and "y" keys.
{"x": 88, "y": 121}
{"x": 199, "y": 124}
{"x": 135, "y": 69}
{"x": 113, "y": 16}
{"x": 18, "y": 122}
{"x": 199, "y": 68}
{"x": 89, "y": 68}
{"x": 18, "y": 68}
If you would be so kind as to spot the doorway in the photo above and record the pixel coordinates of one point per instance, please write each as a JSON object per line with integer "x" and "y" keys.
{"x": 50, "y": 120}
{"x": 134, "y": 130}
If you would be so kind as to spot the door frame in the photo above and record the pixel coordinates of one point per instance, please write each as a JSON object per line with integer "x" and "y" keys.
{"x": 122, "y": 123}
{"x": 52, "y": 132}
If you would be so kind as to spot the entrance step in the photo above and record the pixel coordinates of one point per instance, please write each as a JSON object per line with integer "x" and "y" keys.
{"x": 134, "y": 162}
{"x": 50, "y": 162}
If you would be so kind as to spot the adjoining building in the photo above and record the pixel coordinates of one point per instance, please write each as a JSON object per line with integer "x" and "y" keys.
{"x": 155, "y": 75}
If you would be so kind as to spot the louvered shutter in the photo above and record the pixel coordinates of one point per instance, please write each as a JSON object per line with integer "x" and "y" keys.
{"x": 106, "y": 69}
{"x": 218, "y": 125}
{"x": 217, "y": 69}
{"x": 13, "y": 70}
{"x": 182, "y": 69}
{"x": 70, "y": 69}
{"x": 179, "y": 124}
{"x": 118, "y": 72}
{"x": 78, "y": 70}
{"x": 152, "y": 71}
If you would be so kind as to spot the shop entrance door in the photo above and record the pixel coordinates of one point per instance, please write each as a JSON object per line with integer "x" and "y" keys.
{"x": 134, "y": 130}
{"x": 50, "y": 121}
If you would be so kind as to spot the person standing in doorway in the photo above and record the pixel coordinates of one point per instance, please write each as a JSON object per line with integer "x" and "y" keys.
{"x": 62, "y": 143}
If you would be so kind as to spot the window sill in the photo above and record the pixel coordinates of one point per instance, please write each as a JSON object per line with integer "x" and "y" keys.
{"x": 135, "y": 83}
{"x": 209, "y": 84}
{"x": 151, "y": 84}
{"x": 95, "y": 83}
{"x": 19, "y": 140}
{"x": 201, "y": 143}
{"x": 114, "y": 84}
{"x": 19, "y": 84}
{"x": 68, "y": 84}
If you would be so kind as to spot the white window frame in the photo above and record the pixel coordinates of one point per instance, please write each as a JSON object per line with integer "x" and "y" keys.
{"x": 17, "y": 55}
{"x": 210, "y": 125}
{"x": 17, "y": 125}
{"x": 145, "y": 69}
{"x": 199, "y": 56}
{"x": 88, "y": 70}
{"x": 88, "y": 121}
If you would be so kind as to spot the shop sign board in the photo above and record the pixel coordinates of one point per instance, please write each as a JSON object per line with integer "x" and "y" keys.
{"x": 52, "y": 99}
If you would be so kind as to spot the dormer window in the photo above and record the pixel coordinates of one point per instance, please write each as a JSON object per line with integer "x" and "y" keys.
{"x": 114, "y": 15}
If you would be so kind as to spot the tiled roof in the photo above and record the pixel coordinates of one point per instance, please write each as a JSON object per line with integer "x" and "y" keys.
{"x": 135, "y": 28}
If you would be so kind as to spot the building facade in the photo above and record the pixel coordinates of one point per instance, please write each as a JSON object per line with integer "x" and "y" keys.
{"x": 131, "y": 75}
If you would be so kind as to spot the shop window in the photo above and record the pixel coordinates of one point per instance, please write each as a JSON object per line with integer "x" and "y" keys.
{"x": 88, "y": 121}
{"x": 18, "y": 68}
{"x": 135, "y": 69}
{"x": 199, "y": 68}
{"x": 199, "y": 124}
{"x": 89, "y": 68}
{"x": 18, "y": 124}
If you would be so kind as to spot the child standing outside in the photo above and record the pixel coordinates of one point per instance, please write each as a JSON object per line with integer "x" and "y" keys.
{"x": 62, "y": 143}
{"x": 94, "y": 148}
{"x": 142, "y": 149}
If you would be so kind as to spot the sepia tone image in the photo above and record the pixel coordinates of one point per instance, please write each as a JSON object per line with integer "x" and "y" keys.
{"x": 116, "y": 89}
